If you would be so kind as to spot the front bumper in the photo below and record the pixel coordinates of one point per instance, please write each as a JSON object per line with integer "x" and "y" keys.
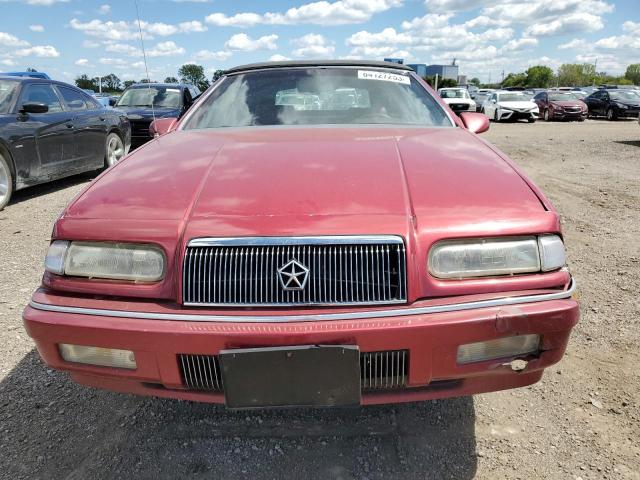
{"x": 430, "y": 333}
{"x": 517, "y": 115}
{"x": 568, "y": 115}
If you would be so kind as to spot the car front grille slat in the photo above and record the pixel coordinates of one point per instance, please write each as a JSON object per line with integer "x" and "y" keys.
{"x": 338, "y": 274}
{"x": 384, "y": 370}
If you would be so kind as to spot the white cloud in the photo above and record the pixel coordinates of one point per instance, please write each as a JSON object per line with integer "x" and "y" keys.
{"x": 278, "y": 58}
{"x": 576, "y": 43}
{"x": 104, "y": 9}
{"x": 82, "y": 62}
{"x": 114, "y": 61}
{"x": 192, "y": 27}
{"x": 165, "y": 49}
{"x": 36, "y": 28}
{"x": 8, "y": 40}
{"x": 339, "y": 12}
{"x": 242, "y": 42}
{"x": 575, "y": 22}
{"x": 313, "y": 45}
{"x": 7, "y": 61}
{"x": 121, "y": 30}
{"x": 123, "y": 48}
{"x": 520, "y": 44}
{"x": 204, "y": 55}
{"x": 38, "y": 51}
{"x": 386, "y": 36}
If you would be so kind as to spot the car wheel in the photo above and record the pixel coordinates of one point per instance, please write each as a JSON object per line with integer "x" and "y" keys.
{"x": 546, "y": 115}
{"x": 114, "y": 150}
{"x": 611, "y": 114}
{"x": 495, "y": 115}
{"x": 6, "y": 182}
{"x": 531, "y": 120}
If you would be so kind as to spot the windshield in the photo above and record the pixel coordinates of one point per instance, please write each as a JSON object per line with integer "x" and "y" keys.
{"x": 513, "y": 97}
{"x": 162, "y": 97}
{"x": 316, "y": 96}
{"x": 8, "y": 89}
{"x": 559, "y": 97}
{"x": 624, "y": 95}
{"x": 454, "y": 93}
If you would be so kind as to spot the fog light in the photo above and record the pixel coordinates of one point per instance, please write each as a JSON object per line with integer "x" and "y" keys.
{"x": 104, "y": 357}
{"x": 501, "y": 347}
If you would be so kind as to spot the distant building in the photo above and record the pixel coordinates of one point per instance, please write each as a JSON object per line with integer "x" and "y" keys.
{"x": 462, "y": 80}
{"x": 419, "y": 68}
{"x": 395, "y": 60}
{"x": 443, "y": 71}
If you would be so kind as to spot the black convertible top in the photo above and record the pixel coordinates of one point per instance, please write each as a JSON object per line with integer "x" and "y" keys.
{"x": 317, "y": 63}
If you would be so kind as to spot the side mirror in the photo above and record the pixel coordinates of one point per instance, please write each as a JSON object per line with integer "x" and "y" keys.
{"x": 112, "y": 102}
{"x": 475, "y": 122}
{"x": 162, "y": 126}
{"x": 34, "y": 107}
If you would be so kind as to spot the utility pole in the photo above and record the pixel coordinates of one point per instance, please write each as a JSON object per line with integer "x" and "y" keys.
{"x": 502, "y": 76}
{"x": 595, "y": 69}
{"x": 436, "y": 88}
{"x": 99, "y": 84}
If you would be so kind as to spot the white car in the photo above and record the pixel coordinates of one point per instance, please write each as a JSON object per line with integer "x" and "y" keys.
{"x": 458, "y": 99}
{"x": 506, "y": 105}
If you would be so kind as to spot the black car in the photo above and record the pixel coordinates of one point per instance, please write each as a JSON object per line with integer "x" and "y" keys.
{"x": 144, "y": 101}
{"x": 50, "y": 130}
{"x": 613, "y": 104}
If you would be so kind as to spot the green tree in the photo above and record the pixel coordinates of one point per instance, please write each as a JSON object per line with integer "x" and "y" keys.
{"x": 111, "y": 82}
{"x": 192, "y": 73}
{"x": 171, "y": 80}
{"x": 576, "y": 74}
{"x": 633, "y": 73}
{"x": 31, "y": 69}
{"x": 442, "y": 82}
{"x": 128, "y": 83}
{"x": 475, "y": 81}
{"x": 515, "y": 80}
{"x": 83, "y": 81}
{"x": 216, "y": 75}
{"x": 539, "y": 76}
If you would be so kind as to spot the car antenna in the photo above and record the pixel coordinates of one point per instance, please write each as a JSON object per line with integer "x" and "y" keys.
{"x": 144, "y": 57}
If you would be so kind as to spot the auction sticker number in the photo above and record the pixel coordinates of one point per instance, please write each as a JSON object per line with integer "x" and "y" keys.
{"x": 383, "y": 76}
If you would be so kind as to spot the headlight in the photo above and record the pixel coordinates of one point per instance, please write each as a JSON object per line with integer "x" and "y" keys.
{"x": 496, "y": 256}
{"x": 118, "y": 261}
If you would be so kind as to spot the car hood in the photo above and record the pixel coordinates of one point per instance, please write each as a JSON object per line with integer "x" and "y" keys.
{"x": 568, "y": 103}
{"x": 145, "y": 113}
{"x": 277, "y": 181}
{"x": 519, "y": 105}
{"x": 458, "y": 100}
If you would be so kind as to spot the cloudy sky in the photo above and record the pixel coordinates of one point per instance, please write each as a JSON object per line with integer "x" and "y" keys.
{"x": 69, "y": 37}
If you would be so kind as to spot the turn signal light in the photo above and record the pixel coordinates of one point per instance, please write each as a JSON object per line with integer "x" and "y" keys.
{"x": 498, "y": 348}
{"x": 104, "y": 357}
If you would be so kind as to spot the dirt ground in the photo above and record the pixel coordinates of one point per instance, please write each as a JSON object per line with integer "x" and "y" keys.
{"x": 581, "y": 421}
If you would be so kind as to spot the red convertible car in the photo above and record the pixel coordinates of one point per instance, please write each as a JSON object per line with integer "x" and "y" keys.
{"x": 309, "y": 233}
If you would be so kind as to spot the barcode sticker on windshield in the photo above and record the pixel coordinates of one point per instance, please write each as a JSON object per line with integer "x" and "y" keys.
{"x": 384, "y": 76}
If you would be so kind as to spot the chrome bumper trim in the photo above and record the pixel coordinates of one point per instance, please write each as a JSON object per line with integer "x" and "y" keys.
{"x": 320, "y": 317}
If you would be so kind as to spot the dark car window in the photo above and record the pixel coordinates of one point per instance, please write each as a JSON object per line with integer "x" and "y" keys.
{"x": 316, "y": 96}
{"x": 42, "y": 93}
{"x": 160, "y": 96}
{"x": 625, "y": 96}
{"x": 562, "y": 96}
{"x": 8, "y": 92}
{"x": 73, "y": 99}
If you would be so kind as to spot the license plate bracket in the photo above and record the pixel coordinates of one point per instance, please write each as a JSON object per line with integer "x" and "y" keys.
{"x": 296, "y": 376}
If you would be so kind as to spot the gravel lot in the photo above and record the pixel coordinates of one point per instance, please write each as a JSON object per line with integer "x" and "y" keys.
{"x": 581, "y": 421}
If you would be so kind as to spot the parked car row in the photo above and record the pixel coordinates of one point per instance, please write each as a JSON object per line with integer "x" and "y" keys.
{"x": 560, "y": 103}
{"x": 50, "y": 129}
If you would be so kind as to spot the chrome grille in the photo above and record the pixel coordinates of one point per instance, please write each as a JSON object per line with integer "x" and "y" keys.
{"x": 378, "y": 371}
{"x": 201, "y": 372}
{"x": 341, "y": 271}
{"x": 383, "y": 370}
